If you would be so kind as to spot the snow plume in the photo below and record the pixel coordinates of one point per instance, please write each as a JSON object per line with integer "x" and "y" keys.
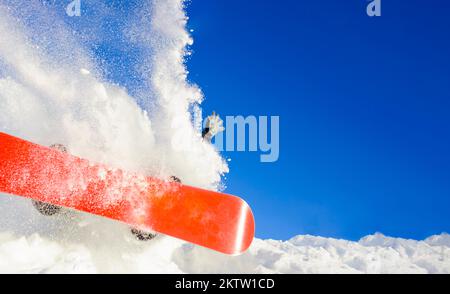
{"x": 164, "y": 47}
{"x": 56, "y": 87}
{"x": 110, "y": 85}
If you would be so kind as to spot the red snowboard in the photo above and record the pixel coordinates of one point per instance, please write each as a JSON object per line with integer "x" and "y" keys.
{"x": 217, "y": 221}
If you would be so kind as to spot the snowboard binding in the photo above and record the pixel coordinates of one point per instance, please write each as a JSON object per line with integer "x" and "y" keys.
{"x": 147, "y": 236}
{"x": 143, "y": 236}
{"x": 45, "y": 208}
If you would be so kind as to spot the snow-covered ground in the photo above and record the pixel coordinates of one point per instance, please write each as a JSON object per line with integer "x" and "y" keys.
{"x": 75, "y": 243}
{"x": 79, "y": 243}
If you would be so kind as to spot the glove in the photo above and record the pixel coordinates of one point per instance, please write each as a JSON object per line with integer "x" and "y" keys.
{"x": 214, "y": 126}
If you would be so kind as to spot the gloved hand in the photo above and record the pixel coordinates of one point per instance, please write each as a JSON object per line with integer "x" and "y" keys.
{"x": 214, "y": 126}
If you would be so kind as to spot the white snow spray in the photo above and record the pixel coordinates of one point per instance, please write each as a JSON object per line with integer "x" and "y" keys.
{"x": 56, "y": 87}
{"x": 111, "y": 85}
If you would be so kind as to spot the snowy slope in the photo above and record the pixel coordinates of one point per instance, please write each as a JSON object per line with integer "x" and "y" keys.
{"x": 302, "y": 254}
{"x": 78, "y": 243}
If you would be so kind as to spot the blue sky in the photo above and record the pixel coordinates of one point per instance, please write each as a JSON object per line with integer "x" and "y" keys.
{"x": 363, "y": 104}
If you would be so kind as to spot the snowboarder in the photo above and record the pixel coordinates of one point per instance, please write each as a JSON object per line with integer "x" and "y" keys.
{"x": 213, "y": 126}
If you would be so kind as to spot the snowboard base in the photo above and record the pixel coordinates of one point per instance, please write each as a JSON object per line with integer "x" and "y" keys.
{"x": 210, "y": 219}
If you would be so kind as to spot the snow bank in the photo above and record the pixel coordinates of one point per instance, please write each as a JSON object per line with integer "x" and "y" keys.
{"x": 78, "y": 243}
{"x": 74, "y": 243}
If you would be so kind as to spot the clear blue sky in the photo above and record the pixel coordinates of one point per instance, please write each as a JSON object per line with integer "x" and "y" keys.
{"x": 364, "y": 106}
